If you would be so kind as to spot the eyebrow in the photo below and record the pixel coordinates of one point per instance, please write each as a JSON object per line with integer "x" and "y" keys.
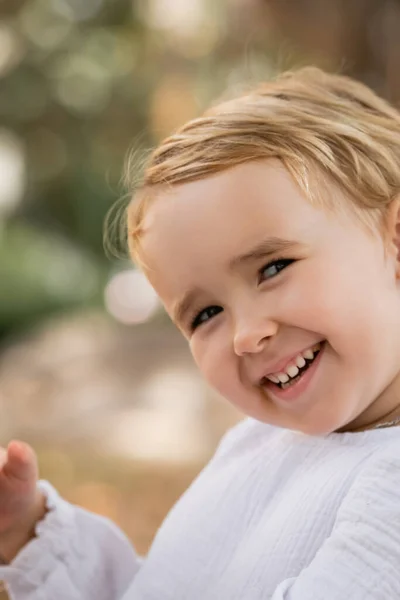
{"x": 268, "y": 247}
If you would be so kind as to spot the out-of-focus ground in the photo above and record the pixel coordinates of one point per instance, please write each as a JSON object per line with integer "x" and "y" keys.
{"x": 120, "y": 418}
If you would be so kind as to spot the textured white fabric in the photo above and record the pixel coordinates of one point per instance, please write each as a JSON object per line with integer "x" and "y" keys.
{"x": 275, "y": 515}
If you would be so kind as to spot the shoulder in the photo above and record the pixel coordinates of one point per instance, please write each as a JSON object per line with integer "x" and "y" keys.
{"x": 382, "y": 465}
{"x": 375, "y": 491}
{"x": 360, "y": 558}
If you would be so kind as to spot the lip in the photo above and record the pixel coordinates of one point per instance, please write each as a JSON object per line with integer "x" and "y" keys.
{"x": 293, "y": 392}
{"x": 280, "y": 366}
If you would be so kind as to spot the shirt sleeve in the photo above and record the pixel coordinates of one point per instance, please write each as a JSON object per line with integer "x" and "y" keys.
{"x": 361, "y": 558}
{"x": 76, "y": 556}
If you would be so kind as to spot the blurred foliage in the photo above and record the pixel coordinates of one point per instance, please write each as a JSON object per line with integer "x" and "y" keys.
{"x": 82, "y": 82}
{"x": 32, "y": 281}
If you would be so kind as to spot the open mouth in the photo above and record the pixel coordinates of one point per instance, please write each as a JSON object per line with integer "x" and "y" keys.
{"x": 294, "y": 372}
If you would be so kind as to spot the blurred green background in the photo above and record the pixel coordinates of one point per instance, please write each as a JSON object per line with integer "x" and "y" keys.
{"x": 91, "y": 373}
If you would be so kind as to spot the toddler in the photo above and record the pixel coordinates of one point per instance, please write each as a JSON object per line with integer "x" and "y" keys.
{"x": 270, "y": 229}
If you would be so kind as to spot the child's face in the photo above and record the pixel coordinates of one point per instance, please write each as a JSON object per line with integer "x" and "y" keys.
{"x": 251, "y": 310}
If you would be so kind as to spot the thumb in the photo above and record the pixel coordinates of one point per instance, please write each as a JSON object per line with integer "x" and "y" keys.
{"x": 3, "y": 457}
{"x": 21, "y": 463}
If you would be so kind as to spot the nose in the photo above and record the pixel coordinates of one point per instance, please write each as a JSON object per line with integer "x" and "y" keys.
{"x": 251, "y": 335}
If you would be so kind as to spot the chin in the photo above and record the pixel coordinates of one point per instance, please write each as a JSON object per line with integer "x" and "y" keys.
{"x": 324, "y": 422}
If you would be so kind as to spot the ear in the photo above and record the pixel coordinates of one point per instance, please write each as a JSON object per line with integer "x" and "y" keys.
{"x": 393, "y": 233}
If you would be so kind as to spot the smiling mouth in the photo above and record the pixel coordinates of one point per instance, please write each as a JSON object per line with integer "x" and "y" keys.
{"x": 293, "y": 373}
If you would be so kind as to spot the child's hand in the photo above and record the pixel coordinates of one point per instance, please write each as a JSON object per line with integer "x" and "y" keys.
{"x": 21, "y": 503}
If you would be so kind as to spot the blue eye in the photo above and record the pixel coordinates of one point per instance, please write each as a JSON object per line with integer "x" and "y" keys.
{"x": 273, "y": 268}
{"x": 205, "y": 315}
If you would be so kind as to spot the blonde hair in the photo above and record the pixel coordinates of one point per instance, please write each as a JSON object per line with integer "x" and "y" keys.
{"x": 321, "y": 126}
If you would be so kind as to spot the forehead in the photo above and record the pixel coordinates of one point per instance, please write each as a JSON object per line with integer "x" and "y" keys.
{"x": 193, "y": 229}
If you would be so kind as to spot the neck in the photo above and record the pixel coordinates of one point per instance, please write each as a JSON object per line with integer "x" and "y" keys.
{"x": 387, "y": 418}
{"x": 385, "y": 408}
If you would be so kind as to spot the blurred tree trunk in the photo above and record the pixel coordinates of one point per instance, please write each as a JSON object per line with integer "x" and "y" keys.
{"x": 359, "y": 37}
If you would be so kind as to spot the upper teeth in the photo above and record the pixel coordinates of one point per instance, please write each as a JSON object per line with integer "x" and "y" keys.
{"x": 292, "y": 369}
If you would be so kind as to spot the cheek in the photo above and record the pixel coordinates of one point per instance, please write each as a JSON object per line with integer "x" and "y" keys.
{"x": 314, "y": 300}
{"x": 202, "y": 355}
{"x": 333, "y": 301}
{"x": 350, "y": 303}
{"x": 215, "y": 360}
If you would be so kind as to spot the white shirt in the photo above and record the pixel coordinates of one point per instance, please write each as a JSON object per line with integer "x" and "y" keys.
{"x": 275, "y": 515}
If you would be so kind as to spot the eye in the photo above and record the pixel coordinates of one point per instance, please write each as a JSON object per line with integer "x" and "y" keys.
{"x": 204, "y": 315}
{"x": 273, "y": 268}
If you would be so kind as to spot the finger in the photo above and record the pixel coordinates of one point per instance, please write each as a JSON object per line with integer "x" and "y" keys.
{"x": 22, "y": 462}
{"x": 3, "y": 457}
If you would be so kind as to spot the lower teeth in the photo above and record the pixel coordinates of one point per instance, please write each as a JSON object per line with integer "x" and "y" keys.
{"x": 283, "y": 386}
